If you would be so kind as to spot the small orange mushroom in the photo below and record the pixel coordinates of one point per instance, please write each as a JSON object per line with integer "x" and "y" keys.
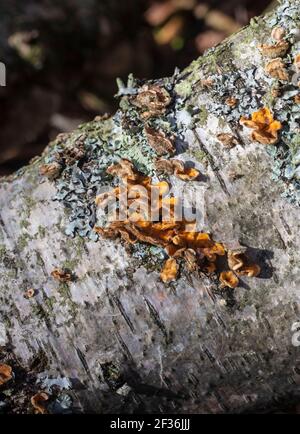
{"x": 188, "y": 174}
{"x": 169, "y": 271}
{"x": 5, "y": 373}
{"x": 180, "y": 240}
{"x": 228, "y": 278}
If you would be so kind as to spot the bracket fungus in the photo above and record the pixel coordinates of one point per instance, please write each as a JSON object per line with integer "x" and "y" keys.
{"x": 62, "y": 275}
{"x": 159, "y": 141}
{"x": 51, "y": 170}
{"x": 5, "y": 373}
{"x": 152, "y": 101}
{"x": 228, "y": 140}
{"x": 275, "y": 50}
{"x": 276, "y": 69}
{"x": 169, "y": 271}
{"x": 239, "y": 263}
{"x": 265, "y": 128}
{"x": 297, "y": 62}
{"x": 229, "y": 279}
{"x": 177, "y": 168}
{"x": 38, "y": 402}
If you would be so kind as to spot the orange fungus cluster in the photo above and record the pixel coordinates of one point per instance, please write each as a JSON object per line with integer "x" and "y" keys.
{"x": 180, "y": 239}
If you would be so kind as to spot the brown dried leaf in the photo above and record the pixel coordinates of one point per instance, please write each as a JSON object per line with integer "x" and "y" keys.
{"x": 169, "y": 31}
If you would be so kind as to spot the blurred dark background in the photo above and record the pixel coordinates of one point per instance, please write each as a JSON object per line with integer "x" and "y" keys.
{"x": 63, "y": 57}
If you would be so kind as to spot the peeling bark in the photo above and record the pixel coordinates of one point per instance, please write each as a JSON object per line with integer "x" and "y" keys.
{"x": 129, "y": 342}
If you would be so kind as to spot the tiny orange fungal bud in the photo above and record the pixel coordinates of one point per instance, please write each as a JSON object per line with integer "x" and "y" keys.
{"x": 231, "y": 101}
{"x": 5, "y": 373}
{"x": 265, "y": 128}
{"x": 228, "y": 278}
{"x": 29, "y": 293}
{"x": 62, "y": 275}
{"x": 169, "y": 271}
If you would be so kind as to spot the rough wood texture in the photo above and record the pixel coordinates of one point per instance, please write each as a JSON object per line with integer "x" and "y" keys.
{"x": 178, "y": 347}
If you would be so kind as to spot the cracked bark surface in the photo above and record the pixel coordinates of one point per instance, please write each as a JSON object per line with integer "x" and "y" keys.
{"x": 177, "y": 347}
